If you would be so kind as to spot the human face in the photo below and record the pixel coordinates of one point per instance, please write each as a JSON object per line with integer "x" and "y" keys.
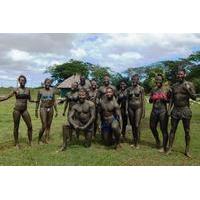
{"x": 22, "y": 82}
{"x": 109, "y": 93}
{"x": 135, "y": 80}
{"x": 94, "y": 85}
{"x": 181, "y": 76}
{"x": 82, "y": 80}
{"x": 159, "y": 81}
{"x": 47, "y": 84}
{"x": 82, "y": 96}
{"x": 74, "y": 86}
{"x": 122, "y": 85}
{"x": 106, "y": 80}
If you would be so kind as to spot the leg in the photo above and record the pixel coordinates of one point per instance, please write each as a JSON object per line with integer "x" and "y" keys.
{"x": 16, "y": 119}
{"x": 95, "y": 124}
{"x": 106, "y": 133}
{"x": 43, "y": 118}
{"x": 138, "y": 117}
{"x": 27, "y": 119}
{"x": 186, "y": 126}
{"x": 66, "y": 132}
{"x": 131, "y": 115}
{"x": 164, "y": 129}
{"x": 153, "y": 126}
{"x": 48, "y": 123}
{"x": 174, "y": 125}
{"x": 124, "y": 123}
{"x": 88, "y": 135}
{"x": 116, "y": 132}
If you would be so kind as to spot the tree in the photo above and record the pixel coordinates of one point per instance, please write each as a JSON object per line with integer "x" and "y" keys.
{"x": 98, "y": 73}
{"x": 65, "y": 70}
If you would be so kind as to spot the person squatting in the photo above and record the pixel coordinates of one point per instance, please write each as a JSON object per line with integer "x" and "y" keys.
{"x": 106, "y": 109}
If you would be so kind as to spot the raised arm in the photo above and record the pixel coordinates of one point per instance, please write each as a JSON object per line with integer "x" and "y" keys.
{"x": 4, "y": 98}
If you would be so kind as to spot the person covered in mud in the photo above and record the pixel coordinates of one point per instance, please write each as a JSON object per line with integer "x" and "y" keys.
{"x": 92, "y": 96}
{"x": 70, "y": 100}
{"x": 47, "y": 104}
{"x": 159, "y": 97}
{"x": 102, "y": 90}
{"x": 181, "y": 93}
{"x": 122, "y": 101}
{"x": 22, "y": 95}
{"x": 84, "y": 83}
{"x": 82, "y": 116}
{"x": 110, "y": 119}
{"x": 136, "y": 108}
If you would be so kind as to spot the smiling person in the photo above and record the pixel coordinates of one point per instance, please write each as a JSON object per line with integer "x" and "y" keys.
{"x": 181, "y": 93}
{"x": 110, "y": 119}
{"x": 22, "y": 95}
{"x": 82, "y": 116}
{"x": 46, "y": 101}
{"x": 102, "y": 90}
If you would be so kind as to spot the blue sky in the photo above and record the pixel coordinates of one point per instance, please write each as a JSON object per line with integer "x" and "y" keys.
{"x": 31, "y": 54}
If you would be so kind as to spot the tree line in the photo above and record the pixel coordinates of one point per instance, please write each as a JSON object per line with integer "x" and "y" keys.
{"x": 147, "y": 73}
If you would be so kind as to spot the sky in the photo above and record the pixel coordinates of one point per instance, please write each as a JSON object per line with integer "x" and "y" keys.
{"x": 31, "y": 54}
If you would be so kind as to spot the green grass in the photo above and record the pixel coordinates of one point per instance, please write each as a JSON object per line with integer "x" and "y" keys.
{"x": 98, "y": 154}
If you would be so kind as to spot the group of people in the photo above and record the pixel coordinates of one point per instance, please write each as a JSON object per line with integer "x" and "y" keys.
{"x": 88, "y": 105}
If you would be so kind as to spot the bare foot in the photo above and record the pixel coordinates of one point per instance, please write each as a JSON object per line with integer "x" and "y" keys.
{"x": 137, "y": 147}
{"x": 161, "y": 150}
{"x": 17, "y": 146}
{"x": 187, "y": 154}
{"x": 169, "y": 151}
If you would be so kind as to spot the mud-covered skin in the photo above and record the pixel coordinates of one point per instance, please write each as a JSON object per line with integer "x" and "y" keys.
{"x": 84, "y": 84}
{"x": 181, "y": 93}
{"x": 159, "y": 98}
{"x": 102, "y": 91}
{"x": 122, "y": 101}
{"x": 22, "y": 95}
{"x": 106, "y": 84}
{"x": 70, "y": 100}
{"x": 82, "y": 117}
{"x": 136, "y": 109}
{"x": 47, "y": 104}
{"x": 110, "y": 119}
{"x": 92, "y": 96}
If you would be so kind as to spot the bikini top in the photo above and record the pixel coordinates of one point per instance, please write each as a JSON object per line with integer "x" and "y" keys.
{"x": 22, "y": 93}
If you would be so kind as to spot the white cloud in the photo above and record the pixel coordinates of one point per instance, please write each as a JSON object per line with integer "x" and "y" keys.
{"x": 17, "y": 55}
{"x": 30, "y": 54}
{"x": 125, "y": 56}
{"x": 78, "y": 53}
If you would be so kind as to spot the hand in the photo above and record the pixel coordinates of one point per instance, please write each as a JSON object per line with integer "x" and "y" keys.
{"x": 56, "y": 115}
{"x": 36, "y": 113}
{"x": 169, "y": 113}
{"x": 76, "y": 127}
{"x": 82, "y": 128}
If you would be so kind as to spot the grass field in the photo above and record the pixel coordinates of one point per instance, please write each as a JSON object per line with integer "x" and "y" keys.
{"x": 46, "y": 155}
